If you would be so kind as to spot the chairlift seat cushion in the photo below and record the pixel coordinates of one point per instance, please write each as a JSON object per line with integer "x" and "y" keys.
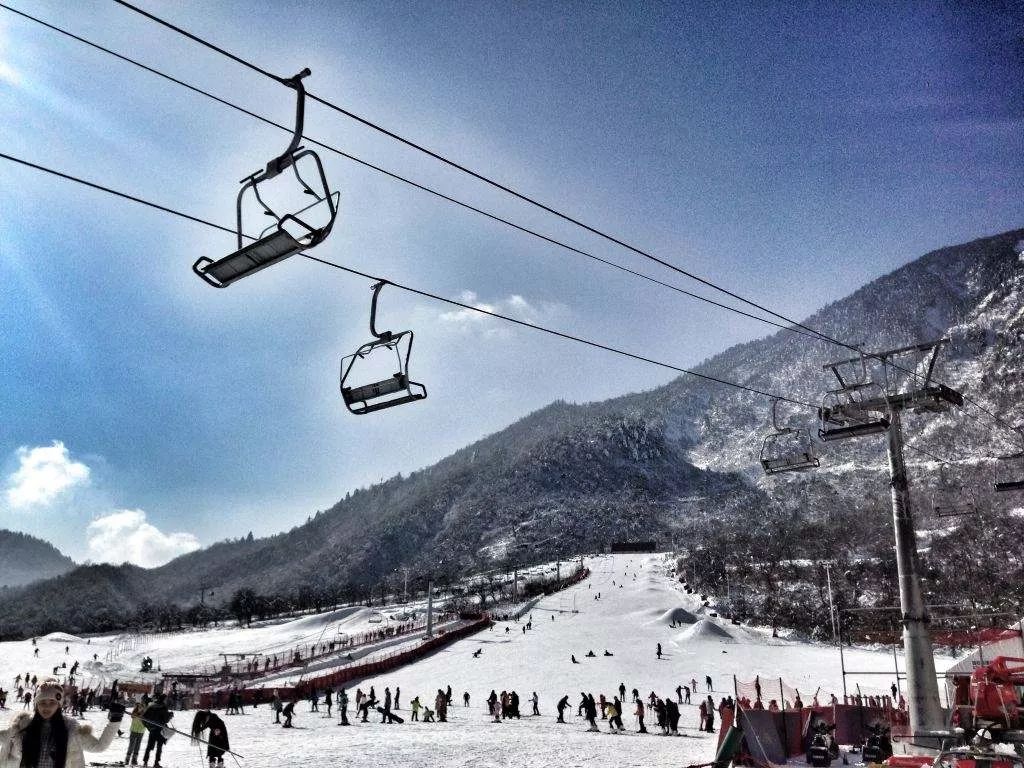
{"x": 1010, "y": 485}
{"x": 377, "y": 389}
{"x": 265, "y": 252}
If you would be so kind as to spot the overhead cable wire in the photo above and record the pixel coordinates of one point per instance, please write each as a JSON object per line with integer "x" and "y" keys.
{"x": 528, "y": 199}
{"x": 477, "y": 175}
{"x": 418, "y": 291}
{"x": 398, "y": 177}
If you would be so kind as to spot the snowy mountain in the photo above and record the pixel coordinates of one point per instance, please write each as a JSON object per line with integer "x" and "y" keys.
{"x": 24, "y": 559}
{"x": 679, "y": 462}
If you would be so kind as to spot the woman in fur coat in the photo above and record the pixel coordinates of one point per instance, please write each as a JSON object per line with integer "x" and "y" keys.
{"x": 47, "y": 738}
{"x": 218, "y": 742}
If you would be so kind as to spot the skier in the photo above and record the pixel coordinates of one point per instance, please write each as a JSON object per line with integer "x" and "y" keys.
{"x": 138, "y": 728}
{"x": 659, "y": 711}
{"x": 686, "y": 688}
{"x": 679, "y": 693}
{"x": 707, "y": 679}
{"x": 590, "y": 711}
{"x": 659, "y": 651}
{"x": 343, "y": 706}
{"x": 640, "y": 715}
{"x": 314, "y": 702}
{"x": 288, "y": 711}
{"x": 477, "y": 652}
{"x": 275, "y": 704}
{"x": 622, "y": 691}
{"x": 465, "y": 698}
{"x": 398, "y": 695}
{"x": 329, "y": 700}
{"x": 535, "y": 701}
{"x": 563, "y": 704}
{"x": 672, "y": 716}
{"x": 615, "y": 716}
{"x": 157, "y": 716}
{"x": 218, "y": 741}
{"x": 68, "y": 740}
{"x": 448, "y": 697}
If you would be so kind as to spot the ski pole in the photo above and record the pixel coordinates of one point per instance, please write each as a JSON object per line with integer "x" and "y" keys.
{"x": 183, "y": 733}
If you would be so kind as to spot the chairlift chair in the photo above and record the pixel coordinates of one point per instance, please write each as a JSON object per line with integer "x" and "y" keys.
{"x": 397, "y": 389}
{"x": 787, "y": 449}
{"x": 841, "y": 414}
{"x": 290, "y": 232}
{"x": 950, "y": 500}
{"x": 1008, "y": 485}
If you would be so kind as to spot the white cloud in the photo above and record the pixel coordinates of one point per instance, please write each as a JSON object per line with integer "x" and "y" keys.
{"x": 125, "y": 536}
{"x": 514, "y": 306}
{"x": 44, "y": 473}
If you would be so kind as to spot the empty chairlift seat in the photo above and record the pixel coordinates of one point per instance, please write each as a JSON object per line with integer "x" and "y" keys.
{"x": 397, "y": 389}
{"x": 291, "y": 232}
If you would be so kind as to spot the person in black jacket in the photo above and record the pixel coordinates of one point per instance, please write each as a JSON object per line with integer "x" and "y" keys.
{"x": 672, "y": 715}
{"x": 157, "y": 715}
{"x": 217, "y": 743}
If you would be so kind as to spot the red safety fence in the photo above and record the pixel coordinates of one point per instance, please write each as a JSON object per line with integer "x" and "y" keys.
{"x": 338, "y": 678}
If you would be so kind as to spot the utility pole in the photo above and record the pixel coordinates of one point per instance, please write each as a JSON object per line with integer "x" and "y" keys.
{"x": 430, "y": 608}
{"x": 860, "y": 407}
{"x": 831, "y": 604}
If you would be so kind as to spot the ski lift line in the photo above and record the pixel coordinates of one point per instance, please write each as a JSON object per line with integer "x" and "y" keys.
{"x": 419, "y": 292}
{"x": 814, "y": 334}
{"x": 410, "y": 182}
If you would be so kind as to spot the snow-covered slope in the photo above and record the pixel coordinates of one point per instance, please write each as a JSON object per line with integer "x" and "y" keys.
{"x": 634, "y": 612}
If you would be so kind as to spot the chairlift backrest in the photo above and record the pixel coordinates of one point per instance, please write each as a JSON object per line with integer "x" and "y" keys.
{"x": 292, "y": 231}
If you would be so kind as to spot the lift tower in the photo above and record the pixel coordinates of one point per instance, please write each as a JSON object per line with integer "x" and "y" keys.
{"x": 862, "y": 406}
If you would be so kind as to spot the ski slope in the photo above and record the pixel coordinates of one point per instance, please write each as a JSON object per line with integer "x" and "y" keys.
{"x": 639, "y": 600}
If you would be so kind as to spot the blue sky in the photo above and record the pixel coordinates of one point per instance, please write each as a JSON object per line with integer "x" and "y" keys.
{"x": 789, "y": 151}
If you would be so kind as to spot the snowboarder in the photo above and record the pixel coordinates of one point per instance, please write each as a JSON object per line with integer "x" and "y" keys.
{"x": 385, "y": 714}
{"x": 572, "y": 656}
{"x": 707, "y": 679}
{"x": 477, "y": 652}
{"x": 288, "y": 711}
{"x": 608, "y": 653}
{"x": 591, "y": 654}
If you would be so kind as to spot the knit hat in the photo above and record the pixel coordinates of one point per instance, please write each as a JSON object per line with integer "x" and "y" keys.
{"x": 49, "y": 688}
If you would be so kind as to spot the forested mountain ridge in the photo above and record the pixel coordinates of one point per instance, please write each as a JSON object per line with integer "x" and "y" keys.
{"x": 678, "y": 463}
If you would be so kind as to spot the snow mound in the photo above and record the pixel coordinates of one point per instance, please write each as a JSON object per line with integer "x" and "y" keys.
{"x": 318, "y": 620}
{"x": 677, "y": 616}
{"x": 62, "y": 637}
{"x": 704, "y": 630}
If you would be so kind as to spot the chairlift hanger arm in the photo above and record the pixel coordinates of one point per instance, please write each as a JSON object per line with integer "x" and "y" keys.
{"x": 287, "y": 158}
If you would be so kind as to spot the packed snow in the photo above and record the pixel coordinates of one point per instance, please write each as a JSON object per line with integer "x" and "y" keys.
{"x": 628, "y": 605}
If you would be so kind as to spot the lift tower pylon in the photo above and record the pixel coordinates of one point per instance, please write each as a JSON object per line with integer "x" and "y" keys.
{"x": 905, "y": 387}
